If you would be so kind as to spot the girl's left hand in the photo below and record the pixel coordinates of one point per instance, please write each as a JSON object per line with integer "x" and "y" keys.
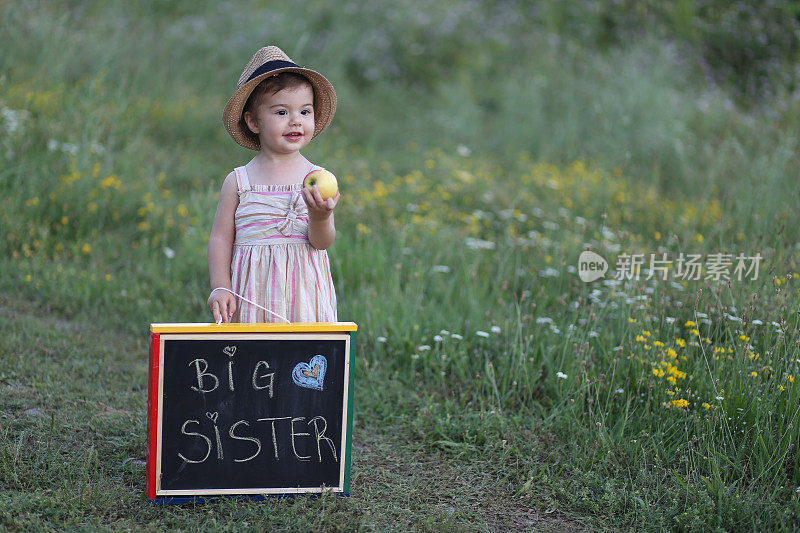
{"x": 317, "y": 207}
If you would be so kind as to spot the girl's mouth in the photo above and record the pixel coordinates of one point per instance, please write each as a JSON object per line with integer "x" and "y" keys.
{"x": 294, "y": 136}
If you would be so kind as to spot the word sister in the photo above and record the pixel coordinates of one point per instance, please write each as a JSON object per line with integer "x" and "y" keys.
{"x": 240, "y": 431}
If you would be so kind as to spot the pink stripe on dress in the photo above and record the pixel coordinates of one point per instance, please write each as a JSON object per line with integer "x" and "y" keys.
{"x": 267, "y": 223}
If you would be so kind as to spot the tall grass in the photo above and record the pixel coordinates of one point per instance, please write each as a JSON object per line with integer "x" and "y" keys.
{"x": 473, "y": 175}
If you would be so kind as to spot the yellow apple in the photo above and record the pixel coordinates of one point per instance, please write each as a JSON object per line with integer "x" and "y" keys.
{"x": 324, "y": 180}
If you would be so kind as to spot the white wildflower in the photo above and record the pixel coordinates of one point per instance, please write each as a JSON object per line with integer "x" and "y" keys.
{"x": 381, "y": 339}
{"x": 424, "y": 348}
{"x": 169, "y": 252}
{"x": 440, "y": 269}
{"x": 481, "y": 333}
{"x": 495, "y": 329}
{"x": 561, "y": 375}
{"x": 438, "y": 338}
{"x": 478, "y": 244}
{"x": 456, "y": 336}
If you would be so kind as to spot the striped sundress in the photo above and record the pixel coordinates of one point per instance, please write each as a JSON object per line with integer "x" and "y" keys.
{"x": 273, "y": 263}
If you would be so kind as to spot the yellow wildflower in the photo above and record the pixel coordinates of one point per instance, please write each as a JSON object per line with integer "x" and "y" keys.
{"x": 753, "y": 374}
{"x": 680, "y": 342}
{"x": 690, "y": 324}
{"x": 706, "y": 405}
{"x": 680, "y": 403}
{"x": 86, "y": 248}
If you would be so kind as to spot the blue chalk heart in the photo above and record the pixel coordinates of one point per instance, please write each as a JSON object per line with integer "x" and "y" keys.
{"x": 310, "y": 375}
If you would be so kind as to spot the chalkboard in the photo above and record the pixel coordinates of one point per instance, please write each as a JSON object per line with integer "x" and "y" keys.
{"x": 249, "y": 409}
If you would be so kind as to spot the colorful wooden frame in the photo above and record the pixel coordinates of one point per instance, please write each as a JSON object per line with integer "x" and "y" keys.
{"x": 161, "y": 333}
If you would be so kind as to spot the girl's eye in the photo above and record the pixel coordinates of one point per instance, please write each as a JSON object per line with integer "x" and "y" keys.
{"x": 306, "y": 111}
{"x": 281, "y": 112}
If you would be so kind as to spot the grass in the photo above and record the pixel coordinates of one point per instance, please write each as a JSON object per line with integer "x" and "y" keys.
{"x": 74, "y": 455}
{"x": 510, "y": 394}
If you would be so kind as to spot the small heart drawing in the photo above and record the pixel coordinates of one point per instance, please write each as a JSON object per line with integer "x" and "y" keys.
{"x": 314, "y": 374}
{"x": 311, "y": 375}
{"x": 229, "y": 350}
{"x": 213, "y": 416}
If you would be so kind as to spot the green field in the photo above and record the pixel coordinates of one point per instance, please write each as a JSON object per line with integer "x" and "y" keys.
{"x": 480, "y": 148}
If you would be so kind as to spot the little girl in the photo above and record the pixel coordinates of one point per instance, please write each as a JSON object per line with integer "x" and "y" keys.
{"x": 269, "y": 236}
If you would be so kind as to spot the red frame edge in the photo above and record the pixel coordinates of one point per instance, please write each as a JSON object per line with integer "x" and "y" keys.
{"x": 152, "y": 413}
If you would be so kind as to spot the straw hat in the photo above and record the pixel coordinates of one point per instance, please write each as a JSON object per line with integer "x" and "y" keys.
{"x": 269, "y": 61}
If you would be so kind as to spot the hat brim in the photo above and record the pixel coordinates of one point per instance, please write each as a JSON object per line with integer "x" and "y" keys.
{"x": 324, "y": 105}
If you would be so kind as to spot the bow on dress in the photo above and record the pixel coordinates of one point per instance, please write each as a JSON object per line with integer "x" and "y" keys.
{"x": 287, "y": 226}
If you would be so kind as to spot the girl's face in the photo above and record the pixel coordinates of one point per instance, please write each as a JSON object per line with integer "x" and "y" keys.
{"x": 284, "y": 121}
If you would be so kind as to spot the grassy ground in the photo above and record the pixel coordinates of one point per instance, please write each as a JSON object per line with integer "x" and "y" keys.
{"x": 73, "y": 458}
{"x": 511, "y": 394}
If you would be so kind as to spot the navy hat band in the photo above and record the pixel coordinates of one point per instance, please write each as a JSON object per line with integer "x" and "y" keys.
{"x": 271, "y": 65}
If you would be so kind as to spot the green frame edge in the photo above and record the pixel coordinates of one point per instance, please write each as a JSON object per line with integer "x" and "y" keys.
{"x": 350, "y": 404}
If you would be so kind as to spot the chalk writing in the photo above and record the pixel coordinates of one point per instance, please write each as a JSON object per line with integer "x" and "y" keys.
{"x": 194, "y": 434}
{"x": 318, "y": 423}
{"x": 202, "y": 374}
{"x": 260, "y": 380}
{"x": 271, "y": 376}
{"x": 311, "y": 375}
{"x": 249, "y": 412}
{"x": 250, "y": 439}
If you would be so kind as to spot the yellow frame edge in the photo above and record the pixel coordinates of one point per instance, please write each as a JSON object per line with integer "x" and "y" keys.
{"x": 296, "y": 327}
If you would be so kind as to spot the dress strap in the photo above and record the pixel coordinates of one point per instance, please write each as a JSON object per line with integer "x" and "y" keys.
{"x": 242, "y": 181}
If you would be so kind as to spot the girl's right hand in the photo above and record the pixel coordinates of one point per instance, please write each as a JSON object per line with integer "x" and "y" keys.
{"x": 222, "y": 305}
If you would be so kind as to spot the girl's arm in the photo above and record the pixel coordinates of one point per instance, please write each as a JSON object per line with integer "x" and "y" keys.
{"x": 222, "y": 304}
{"x": 321, "y": 229}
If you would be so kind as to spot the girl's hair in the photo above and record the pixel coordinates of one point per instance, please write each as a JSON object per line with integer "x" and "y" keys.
{"x": 272, "y": 84}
